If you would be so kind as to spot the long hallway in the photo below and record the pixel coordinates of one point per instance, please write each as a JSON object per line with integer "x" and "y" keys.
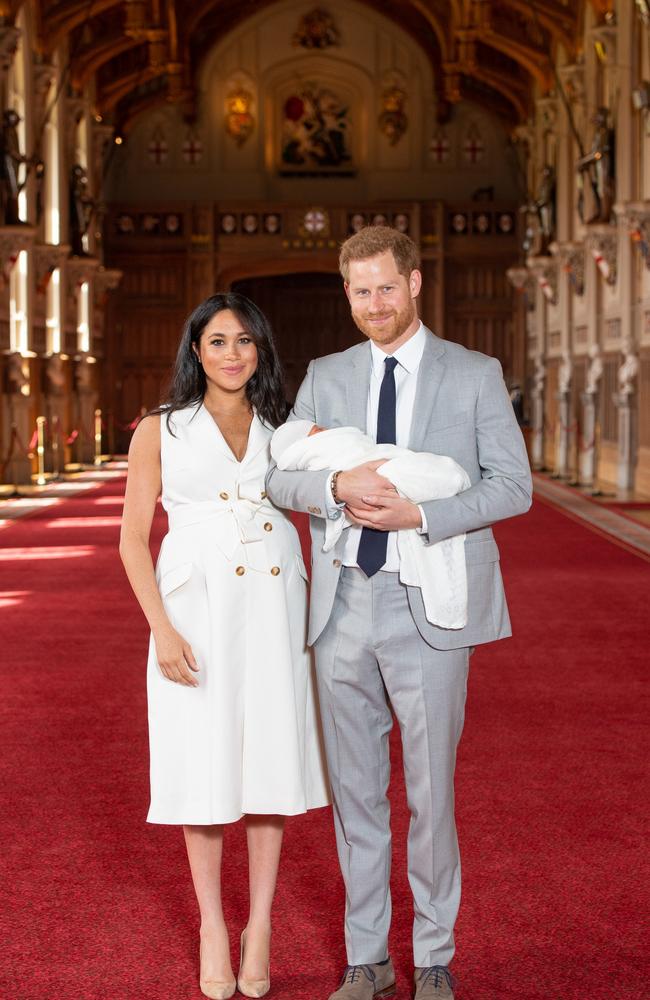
{"x": 549, "y": 787}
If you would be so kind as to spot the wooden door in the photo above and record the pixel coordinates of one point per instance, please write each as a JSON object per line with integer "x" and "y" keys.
{"x": 310, "y": 317}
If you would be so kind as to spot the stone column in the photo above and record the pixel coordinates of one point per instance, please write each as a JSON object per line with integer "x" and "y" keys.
{"x": 625, "y": 404}
{"x": 563, "y": 443}
{"x": 587, "y": 446}
{"x": 537, "y": 415}
{"x": 86, "y": 402}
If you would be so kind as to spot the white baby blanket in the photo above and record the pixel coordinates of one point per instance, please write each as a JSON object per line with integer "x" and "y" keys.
{"x": 439, "y": 569}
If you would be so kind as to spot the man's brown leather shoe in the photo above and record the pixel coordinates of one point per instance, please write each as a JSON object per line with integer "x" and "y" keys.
{"x": 434, "y": 983}
{"x": 366, "y": 982}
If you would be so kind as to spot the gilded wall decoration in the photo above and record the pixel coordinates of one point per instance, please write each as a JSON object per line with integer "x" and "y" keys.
{"x": 393, "y": 120}
{"x": 239, "y": 115}
{"x": 316, "y": 131}
{"x": 317, "y": 30}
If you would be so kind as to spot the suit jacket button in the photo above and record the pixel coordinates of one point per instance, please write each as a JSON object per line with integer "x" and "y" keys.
{"x": 263, "y": 494}
{"x": 268, "y": 526}
{"x": 224, "y": 495}
{"x": 240, "y": 571}
{"x": 336, "y": 562}
{"x": 275, "y": 570}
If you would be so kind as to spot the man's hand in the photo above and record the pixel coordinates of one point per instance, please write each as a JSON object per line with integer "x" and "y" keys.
{"x": 385, "y": 512}
{"x": 354, "y": 486}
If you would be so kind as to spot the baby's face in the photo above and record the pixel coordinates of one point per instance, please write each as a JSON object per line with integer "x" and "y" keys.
{"x": 315, "y": 430}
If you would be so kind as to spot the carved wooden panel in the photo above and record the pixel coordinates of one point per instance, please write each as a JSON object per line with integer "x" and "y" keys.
{"x": 478, "y": 308}
{"x": 146, "y": 322}
{"x": 578, "y": 382}
{"x": 608, "y": 411}
{"x": 310, "y": 316}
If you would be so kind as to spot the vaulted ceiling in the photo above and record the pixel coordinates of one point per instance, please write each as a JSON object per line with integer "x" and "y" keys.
{"x": 146, "y": 52}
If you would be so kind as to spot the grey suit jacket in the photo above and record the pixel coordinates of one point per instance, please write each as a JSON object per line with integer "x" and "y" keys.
{"x": 462, "y": 409}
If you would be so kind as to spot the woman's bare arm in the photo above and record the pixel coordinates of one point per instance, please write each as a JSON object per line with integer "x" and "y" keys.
{"x": 143, "y": 487}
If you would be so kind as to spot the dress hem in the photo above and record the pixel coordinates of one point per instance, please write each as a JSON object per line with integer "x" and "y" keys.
{"x": 235, "y": 819}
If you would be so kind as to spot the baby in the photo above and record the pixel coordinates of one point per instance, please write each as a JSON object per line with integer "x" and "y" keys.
{"x": 439, "y": 569}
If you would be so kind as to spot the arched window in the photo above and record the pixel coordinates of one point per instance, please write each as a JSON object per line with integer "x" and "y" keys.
{"x": 52, "y": 157}
{"x": 19, "y": 276}
{"x": 16, "y": 99}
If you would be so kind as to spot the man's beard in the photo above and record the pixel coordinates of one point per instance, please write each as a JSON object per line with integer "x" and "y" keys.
{"x": 385, "y": 334}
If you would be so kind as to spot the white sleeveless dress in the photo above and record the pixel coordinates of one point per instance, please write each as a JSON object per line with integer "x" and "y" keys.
{"x": 233, "y": 583}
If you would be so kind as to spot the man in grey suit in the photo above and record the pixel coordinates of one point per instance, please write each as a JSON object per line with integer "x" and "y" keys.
{"x": 375, "y": 649}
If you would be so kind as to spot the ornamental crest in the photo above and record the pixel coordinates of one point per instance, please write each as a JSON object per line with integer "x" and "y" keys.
{"x": 315, "y": 132}
{"x": 317, "y": 30}
{"x": 239, "y": 117}
{"x": 393, "y": 121}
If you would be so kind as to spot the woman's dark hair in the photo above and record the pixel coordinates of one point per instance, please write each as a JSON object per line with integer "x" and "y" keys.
{"x": 264, "y": 389}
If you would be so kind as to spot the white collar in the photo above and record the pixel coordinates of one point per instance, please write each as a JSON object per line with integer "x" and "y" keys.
{"x": 408, "y": 355}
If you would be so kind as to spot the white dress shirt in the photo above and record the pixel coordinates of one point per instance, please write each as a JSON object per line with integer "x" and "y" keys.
{"x": 408, "y": 357}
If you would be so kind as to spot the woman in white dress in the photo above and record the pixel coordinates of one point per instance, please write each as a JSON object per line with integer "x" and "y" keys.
{"x": 233, "y": 725}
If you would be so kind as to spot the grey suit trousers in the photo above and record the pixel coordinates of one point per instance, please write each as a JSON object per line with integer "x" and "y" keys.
{"x": 370, "y": 657}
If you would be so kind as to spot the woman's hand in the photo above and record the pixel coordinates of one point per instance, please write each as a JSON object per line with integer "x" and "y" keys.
{"x": 175, "y": 657}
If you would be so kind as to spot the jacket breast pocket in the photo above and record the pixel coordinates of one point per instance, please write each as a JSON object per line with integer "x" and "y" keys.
{"x": 452, "y": 422}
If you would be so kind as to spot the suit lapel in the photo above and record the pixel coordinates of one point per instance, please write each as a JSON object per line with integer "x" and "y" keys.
{"x": 357, "y": 385}
{"x": 430, "y": 375}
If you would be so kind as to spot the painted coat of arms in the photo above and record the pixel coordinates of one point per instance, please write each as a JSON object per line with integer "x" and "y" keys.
{"x": 317, "y": 30}
{"x": 315, "y": 132}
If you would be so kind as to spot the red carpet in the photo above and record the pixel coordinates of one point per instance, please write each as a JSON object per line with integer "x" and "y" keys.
{"x": 96, "y": 904}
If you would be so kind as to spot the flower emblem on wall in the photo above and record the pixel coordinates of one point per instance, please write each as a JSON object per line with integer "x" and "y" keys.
{"x": 315, "y": 132}
{"x": 317, "y": 30}
{"x": 393, "y": 121}
{"x": 315, "y": 222}
{"x": 239, "y": 116}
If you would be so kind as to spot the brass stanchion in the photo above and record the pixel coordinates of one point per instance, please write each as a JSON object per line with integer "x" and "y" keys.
{"x": 98, "y": 437}
{"x": 40, "y": 451}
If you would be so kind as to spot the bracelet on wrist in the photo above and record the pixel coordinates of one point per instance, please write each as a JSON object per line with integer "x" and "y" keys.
{"x": 335, "y": 495}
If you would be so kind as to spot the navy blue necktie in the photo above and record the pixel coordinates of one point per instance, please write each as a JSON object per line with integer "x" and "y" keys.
{"x": 373, "y": 543}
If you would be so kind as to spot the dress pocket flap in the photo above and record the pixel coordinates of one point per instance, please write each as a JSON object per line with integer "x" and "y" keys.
{"x": 302, "y": 569}
{"x": 485, "y": 551}
{"x": 175, "y": 578}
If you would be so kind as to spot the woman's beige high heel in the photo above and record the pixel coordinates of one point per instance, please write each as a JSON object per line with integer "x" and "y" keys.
{"x": 252, "y": 987}
{"x": 217, "y": 989}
